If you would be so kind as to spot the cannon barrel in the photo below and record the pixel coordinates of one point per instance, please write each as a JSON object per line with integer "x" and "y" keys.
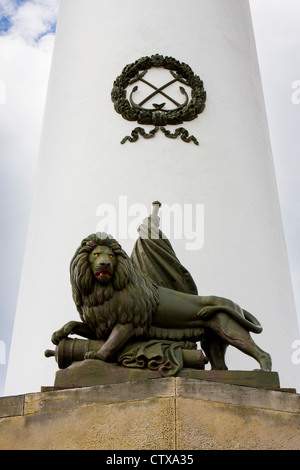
{"x": 70, "y": 350}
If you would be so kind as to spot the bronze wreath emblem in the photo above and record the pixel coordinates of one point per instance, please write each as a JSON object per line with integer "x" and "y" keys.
{"x": 158, "y": 115}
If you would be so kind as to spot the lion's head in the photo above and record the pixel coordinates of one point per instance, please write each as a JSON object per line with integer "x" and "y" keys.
{"x": 102, "y": 261}
{"x": 108, "y": 289}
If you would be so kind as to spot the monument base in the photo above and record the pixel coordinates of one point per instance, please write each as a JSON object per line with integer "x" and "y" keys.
{"x": 93, "y": 372}
{"x": 173, "y": 413}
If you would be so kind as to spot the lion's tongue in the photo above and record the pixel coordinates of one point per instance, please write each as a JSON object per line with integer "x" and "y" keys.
{"x": 103, "y": 273}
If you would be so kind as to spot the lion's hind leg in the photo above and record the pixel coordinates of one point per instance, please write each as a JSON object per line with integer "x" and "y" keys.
{"x": 215, "y": 349}
{"x": 231, "y": 332}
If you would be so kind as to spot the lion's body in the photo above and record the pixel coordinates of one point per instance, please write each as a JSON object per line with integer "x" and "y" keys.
{"x": 105, "y": 307}
{"x": 130, "y": 304}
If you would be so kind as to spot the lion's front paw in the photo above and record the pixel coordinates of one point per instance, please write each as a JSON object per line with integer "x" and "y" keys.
{"x": 94, "y": 355}
{"x": 57, "y": 336}
{"x": 90, "y": 355}
{"x": 65, "y": 331}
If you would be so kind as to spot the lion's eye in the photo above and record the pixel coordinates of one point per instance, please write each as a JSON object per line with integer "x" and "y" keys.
{"x": 96, "y": 254}
{"x": 110, "y": 256}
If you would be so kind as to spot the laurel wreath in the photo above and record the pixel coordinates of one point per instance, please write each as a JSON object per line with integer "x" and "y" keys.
{"x": 187, "y": 112}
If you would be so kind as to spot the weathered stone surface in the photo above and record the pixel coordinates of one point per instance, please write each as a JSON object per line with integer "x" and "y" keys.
{"x": 218, "y": 426}
{"x": 145, "y": 424}
{"x": 92, "y": 372}
{"x": 11, "y": 406}
{"x": 166, "y": 414}
{"x": 104, "y": 394}
{"x": 252, "y": 378}
{"x": 237, "y": 395}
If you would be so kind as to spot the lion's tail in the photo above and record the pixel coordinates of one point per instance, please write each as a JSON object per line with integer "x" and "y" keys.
{"x": 248, "y": 321}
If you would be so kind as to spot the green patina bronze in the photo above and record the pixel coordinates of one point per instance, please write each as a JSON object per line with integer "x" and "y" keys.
{"x": 144, "y": 311}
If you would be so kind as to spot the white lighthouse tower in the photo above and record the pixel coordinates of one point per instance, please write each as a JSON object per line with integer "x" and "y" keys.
{"x": 224, "y": 188}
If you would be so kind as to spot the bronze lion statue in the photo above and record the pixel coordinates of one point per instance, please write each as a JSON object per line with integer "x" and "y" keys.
{"x": 117, "y": 302}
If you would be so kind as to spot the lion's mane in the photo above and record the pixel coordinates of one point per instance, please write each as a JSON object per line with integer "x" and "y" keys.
{"x": 130, "y": 296}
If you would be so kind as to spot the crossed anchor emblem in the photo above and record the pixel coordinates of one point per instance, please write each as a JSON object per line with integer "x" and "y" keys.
{"x": 159, "y": 114}
{"x": 159, "y": 91}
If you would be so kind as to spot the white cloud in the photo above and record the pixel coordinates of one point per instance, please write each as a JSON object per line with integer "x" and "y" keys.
{"x": 7, "y": 7}
{"x": 33, "y": 19}
{"x": 25, "y": 55}
{"x": 24, "y": 70}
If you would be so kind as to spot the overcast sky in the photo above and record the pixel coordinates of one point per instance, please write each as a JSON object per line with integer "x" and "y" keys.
{"x": 27, "y": 29}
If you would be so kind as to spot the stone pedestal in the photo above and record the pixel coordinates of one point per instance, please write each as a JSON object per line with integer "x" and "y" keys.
{"x": 165, "y": 414}
{"x": 93, "y": 372}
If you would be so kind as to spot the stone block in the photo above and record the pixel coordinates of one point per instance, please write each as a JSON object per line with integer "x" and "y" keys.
{"x": 174, "y": 413}
{"x": 11, "y": 406}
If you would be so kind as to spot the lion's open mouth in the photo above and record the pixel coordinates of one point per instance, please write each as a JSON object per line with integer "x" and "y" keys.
{"x": 103, "y": 273}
